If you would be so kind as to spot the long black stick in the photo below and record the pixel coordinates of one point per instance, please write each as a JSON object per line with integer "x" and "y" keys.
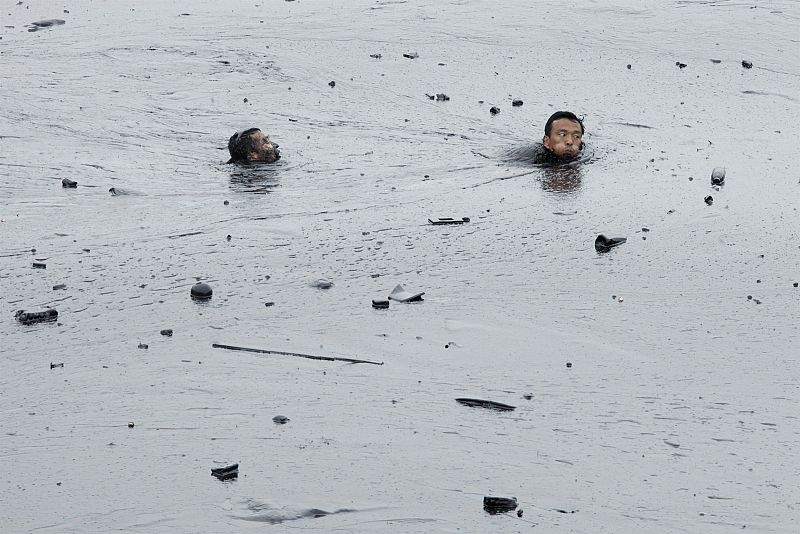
{"x": 309, "y": 356}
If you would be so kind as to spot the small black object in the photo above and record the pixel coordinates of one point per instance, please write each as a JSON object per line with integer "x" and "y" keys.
{"x": 54, "y": 365}
{"x": 411, "y": 55}
{"x": 604, "y": 244}
{"x": 680, "y": 65}
{"x": 380, "y": 304}
{"x": 494, "y": 110}
{"x": 280, "y": 419}
{"x": 716, "y": 61}
{"x": 201, "y": 291}
{"x": 226, "y": 202}
{"x": 629, "y": 66}
{"x": 143, "y": 346}
{"x": 517, "y": 103}
{"x": 519, "y": 512}
{"x": 39, "y": 265}
{"x": 66, "y": 182}
{"x": 167, "y": 332}
{"x": 59, "y": 286}
{"x": 480, "y": 403}
{"x": 228, "y": 237}
{"x": 332, "y": 83}
{"x": 569, "y": 365}
{"x": 244, "y": 100}
{"x": 449, "y": 220}
{"x": 709, "y": 200}
{"x": 441, "y": 97}
{"x": 112, "y": 191}
{"x": 376, "y": 56}
{"x": 747, "y": 64}
{"x": 268, "y": 304}
{"x": 36, "y": 317}
{"x": 226, "y": 473}
{"x": 795, "y": 284}
{"x": 527, "y": 396}
{"x": 499, "y": 505}
{"x": 718, "y": 176}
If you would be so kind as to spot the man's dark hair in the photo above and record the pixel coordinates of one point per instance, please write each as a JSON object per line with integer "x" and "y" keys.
{"x": 241, "y": 143}
{"x": 548, "y": 127}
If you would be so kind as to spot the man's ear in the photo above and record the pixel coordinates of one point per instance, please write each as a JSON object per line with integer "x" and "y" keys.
{"x": 546, "y": 141}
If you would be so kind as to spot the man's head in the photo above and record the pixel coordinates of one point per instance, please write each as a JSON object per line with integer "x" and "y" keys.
{"x": 563, "y": 134}
{"x": 252, "y": 145}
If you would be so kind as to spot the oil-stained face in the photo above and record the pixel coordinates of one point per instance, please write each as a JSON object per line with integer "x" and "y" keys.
{"x": 565, "y": 138}
{"x": 262, "y": 149}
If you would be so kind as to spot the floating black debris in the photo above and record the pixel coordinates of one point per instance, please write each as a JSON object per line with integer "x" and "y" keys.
{"x": 36, "y": 317}
{"x": 226, "y": 473}
{"x": 480, "y": 403}
{"x": 268, "y": 304}
{"x": 411, "y": 55}
{"x": 376, "y": 56}
{"x": 604, "y": 244}
{"x": 680, "y": 65}
{"x": 449, "y": 220}
{"x": 47, "y": 23}
{"x": 59, "y": 286}
{"x": 201, "y": 291}
{"x": 718, "y": 176}
{"x": 747, "y": 64}
{"x": 709, "y": 200}
{"x": 143, "y": 346}
{"x": 380, "y": 304}
{"x": 499, "y": 505}
{"x": 54, "y": 365}
{"x": 332, "y": 83}
{"x": 167, "y": 332}
{"x": 280, "y": 419}
{"x": 39, "y": 265}
{"x": 517, "y": 103}
{"x": 66, "y": 182}
{"x": 322, "y": 284}
{"x": 494, "y": 110}
{"x": 401, "y": 295}
{"x": 439, "y": 97}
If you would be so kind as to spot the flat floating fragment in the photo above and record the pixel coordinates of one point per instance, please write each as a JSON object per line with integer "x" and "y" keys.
{"x": 226, "y": 473}
{"x": 401, "y": 295}
{"x": 499, "y": 505}
{"x": 480, "y": 403}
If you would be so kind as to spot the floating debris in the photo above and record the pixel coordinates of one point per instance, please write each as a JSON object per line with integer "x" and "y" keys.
{"x": 54, "y": 365}
{"x": 167, "y": 332}
{"x": 297, "y": 354}
{"x": 491, "y": 405}
{"x": 517, "y": 103}
{"x": 680, "y": 65}
{"x": 718, "y": 176}
{"x": 499, "y": 505}
{"x": 604, "y": 244}
{"x": 747, "y": 64}
{"x": 66, "y": 182}
{"x": 322, "y": 284}
{"x": 380, "y": 304}
{"x": 709, "y": 200}
{"x": 226, "y": 473}
{"x": 494, "y": 110}
{"x": 59, "y": 286}
{"x": 411, "y": 55}
{"x": 401, "y": 295}
{"x": 201, "y": 291}
{"x": 449, "y": 220}
{"x": 376, "y": 56}
{"x": 332, "y": 83}
{"x": 39, "y": 265}
{"x": 143, "y": 346}
{"x": 130, "y": 424}
{"x": 36, "y": 317}
{"x": 280, "y": 419}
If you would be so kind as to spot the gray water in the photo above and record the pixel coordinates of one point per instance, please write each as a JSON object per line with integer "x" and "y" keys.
{"x": 679, "y": 412}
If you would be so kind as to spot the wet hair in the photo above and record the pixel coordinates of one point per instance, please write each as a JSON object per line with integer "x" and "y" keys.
{"x": 548, "y": 127}
{"x": 241, "y": 144}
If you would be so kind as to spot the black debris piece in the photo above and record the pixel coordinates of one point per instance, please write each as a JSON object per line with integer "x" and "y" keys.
{"x": 519, "y": 512}
{"x": 39, "y": 265}
{"x": 143, "y": 346}
{"x": 747, "y": 64}
{"x": 680, "y": 65}
{"x": 499, "y": 505}
{"x": 629, "y": 66}
{"x": 449, "y": 220}
{"x": 441, "y": 97}
{"x": 709, "y": 200}
{"x": 380, "y": 304}
{"x": 569, "y": 365}
{"x": 54, "y": 365}
{"x": 480, "y": 403}
{"x": 280, "y": 419}
{"x": 201, "y": 291}
{"x": 226, "y": 473}
{"x": 332, "y": 83}
{"x": 66, "y": 182}
{"x": 59, "y": 286}
{"x": 517, "y": 103}
{"x": 604, "y": 244}
{"x": 718, "y": 176}
{"x": 376, "y": 56}
{"x": 36, "y": 317}
{"x": 411, "y": 55}
{"x": 716, "y": 61}
{"x": 167, "y": 332}
{"x": 494, "y": 110}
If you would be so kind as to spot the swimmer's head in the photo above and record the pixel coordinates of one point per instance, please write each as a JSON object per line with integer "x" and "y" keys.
{"x": 563, "y": 134}
{"x": 252, "y": 145}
